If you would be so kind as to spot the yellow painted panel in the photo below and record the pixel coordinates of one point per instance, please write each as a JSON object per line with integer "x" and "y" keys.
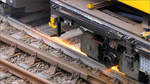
{"x": 143, "y": 5}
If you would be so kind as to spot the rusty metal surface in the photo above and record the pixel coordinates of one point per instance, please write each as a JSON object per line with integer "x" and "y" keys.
{"x": 23, "y": 73}
{"x": 53, "y": 69}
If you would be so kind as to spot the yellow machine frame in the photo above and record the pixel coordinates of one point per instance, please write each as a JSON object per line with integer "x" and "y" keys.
{"x": 143, "y": 5}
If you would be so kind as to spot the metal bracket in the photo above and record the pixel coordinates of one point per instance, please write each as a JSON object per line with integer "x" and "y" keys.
{"x": 117, "y": 81}
{"x": 14, "y": 46}
{"x": 53, "y": 69}
{"x": 53, "y": 21}
{"x": 35, "y": 54}
{"x": 74, "y": 78}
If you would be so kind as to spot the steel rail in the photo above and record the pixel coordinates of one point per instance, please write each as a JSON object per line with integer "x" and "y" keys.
{"x": 14, "y": 69}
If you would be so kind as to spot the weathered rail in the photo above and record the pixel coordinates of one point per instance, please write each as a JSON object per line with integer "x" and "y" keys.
{"x": 23, "y": 73}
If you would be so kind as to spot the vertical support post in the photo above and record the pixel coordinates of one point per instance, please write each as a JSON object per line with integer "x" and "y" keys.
{"x": 55, "y": 22}
{"x": 50, "y": 10}
{"x": 58, "y": 26}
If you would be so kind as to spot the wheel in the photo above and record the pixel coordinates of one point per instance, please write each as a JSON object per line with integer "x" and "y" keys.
{"x": 109, "y": 58}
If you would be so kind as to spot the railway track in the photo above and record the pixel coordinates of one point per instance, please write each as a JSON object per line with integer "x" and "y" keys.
{"x": 41, "y": 54}
{"x": 10, "y": 73}
{"x": 16, "y": 75}
{"x": 20, "y": 62}
{"x": 7, "y": 78}
{"x": 51, "y": 51}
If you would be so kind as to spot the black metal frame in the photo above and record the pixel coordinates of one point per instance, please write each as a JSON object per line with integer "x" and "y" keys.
{"x": 99, "y": 29}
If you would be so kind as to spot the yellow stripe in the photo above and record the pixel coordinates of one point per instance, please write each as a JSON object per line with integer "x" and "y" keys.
{"x": 143, "y": 5}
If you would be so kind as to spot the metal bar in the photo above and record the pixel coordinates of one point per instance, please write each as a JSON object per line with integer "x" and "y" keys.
{"x": 58, "y": 27}
{"x": 23, "y": 73}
